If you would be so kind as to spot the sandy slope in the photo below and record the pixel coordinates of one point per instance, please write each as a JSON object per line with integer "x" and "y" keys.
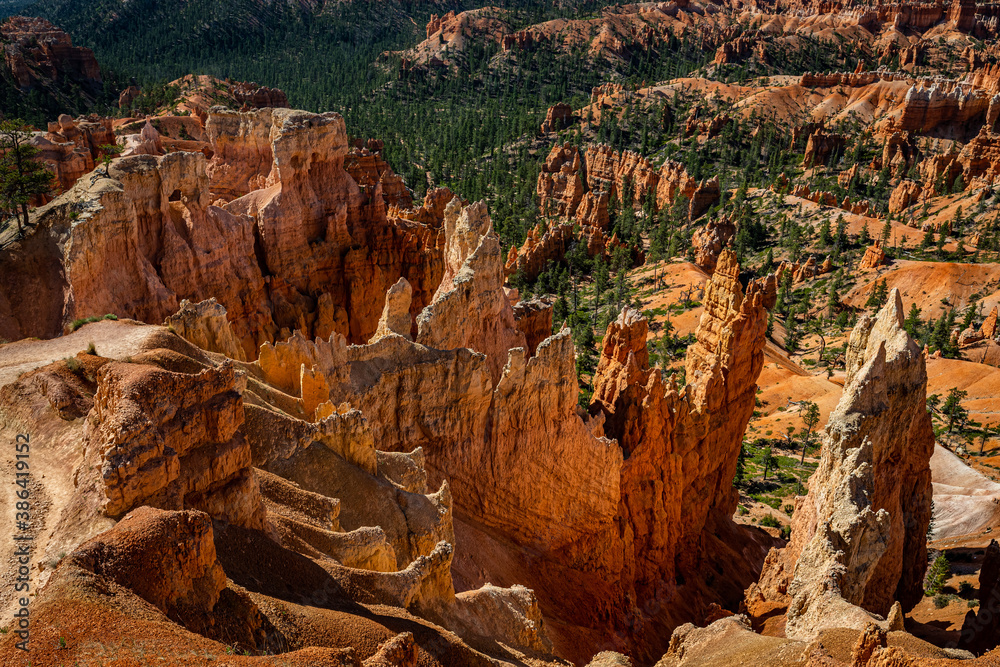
{"x": 966, "y": 503}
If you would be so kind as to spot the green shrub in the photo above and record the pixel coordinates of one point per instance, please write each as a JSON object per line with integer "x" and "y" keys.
{"x": 941, "y": 601}
{"x": 773, "y": 503}
{"x": 769, "y": 521}
{"x": 72, "y": 364}
{"x": 76, "y": 324}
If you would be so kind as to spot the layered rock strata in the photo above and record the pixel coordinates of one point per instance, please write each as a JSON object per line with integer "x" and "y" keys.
{"x": 586, "y": 485}
{"x": 565, "y": 179}
{"x": 37, "y": 52}
{"x": 687, "y": 440}
{"x": 174, "y": 441}
{"x": 153, "y": 225}
{"x": 185, "y": 584}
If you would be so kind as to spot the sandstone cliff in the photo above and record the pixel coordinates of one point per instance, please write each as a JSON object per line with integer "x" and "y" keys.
{"x": 180, "y": 453}
{"x": 302, "y": 511}
{"x": 492, "y": 416}
{"x": 687, "y": 440}
{"x": 565, "y": 180}
{"x": 70, "y": 148}
{"x": 862, "y": 527}
{"x": 168, "y": 242}
{"x": 38, "y": 54}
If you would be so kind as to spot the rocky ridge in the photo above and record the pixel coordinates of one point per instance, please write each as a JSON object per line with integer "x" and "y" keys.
{"x": 858, "y": 537}
{"x": 277, "y": 271}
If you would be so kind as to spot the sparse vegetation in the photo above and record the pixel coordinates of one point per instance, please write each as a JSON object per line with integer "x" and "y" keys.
{"x": 76, "y": 324}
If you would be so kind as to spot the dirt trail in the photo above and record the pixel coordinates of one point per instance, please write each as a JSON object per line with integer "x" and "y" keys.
{"x": 111, "y": 338}
{"x": 59, "y": 488}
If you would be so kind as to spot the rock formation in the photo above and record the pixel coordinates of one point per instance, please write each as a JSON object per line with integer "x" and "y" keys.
{"x": 186, "y": 453}
{"x": 146, "y": 142}
{"x": 470, "y": 309}
{"x": 930, "y": 104}
{"x": 563, "y": 192}
{"x": 534, "y": 320}
{"x": 989, "y": 327}
{"x": 38, "y": 53}
{"x": 709, "y": 241}
{"x": 303, "y": 510}
{"x": 574, "y": 528}
{"x": 625, "y": 174}
{"x": 205, "y": 324}
{"x": 874, "y": 257}
{"x": 858, "y": 537}
{"x": 369, "y": 170}
{"x": 128, "y": 96}
{"x": 560, "y": 186}
{"x": 660, "y": 427}
{"x": 532, "y": 258}
{"x": 987, "y": 331}
{"x": 979, "y": 632}
{"x": 396, "y": 317}
{"x": 185, "y": 584}
{"x": 737, "y": 49}
{"x": 820, "y": 147}
{"x": 904, "y": 195}
{"x": 327, "y": 272}
{"x": 251, "y": 96}
{"x": 71, "y": 148}
{"x": 557, "y": 118}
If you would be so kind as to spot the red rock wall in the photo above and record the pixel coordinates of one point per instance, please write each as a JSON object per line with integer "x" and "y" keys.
{"x": 186, "y": 452}
{"x": 37, "y": 51}
{"x": 301, "y": 247}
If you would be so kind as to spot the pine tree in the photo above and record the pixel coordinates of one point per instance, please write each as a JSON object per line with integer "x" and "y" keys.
{"x": 792, "y": 334}
{"x": 969, "y": 317}
{"x": 824, "y": 233}
{"x": 928, "y": 240}
{"x": 937, "y": 575}
{"x": 941, "y": 335}
{"x": 886, "y": 231}
{"x": 833, "y": 296}
{"x": 912, "y": 322}
{"x": 767, "y": 459}
{"x": 954, "y": 410}
{"x": 23, "y": 177}
{"x": 810, "y": 417}
{"x": 841, "y": 231}
{"x": 784, "y": 293}
{"x": 878, "y": 297}
{"x": 864, "y": 238}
